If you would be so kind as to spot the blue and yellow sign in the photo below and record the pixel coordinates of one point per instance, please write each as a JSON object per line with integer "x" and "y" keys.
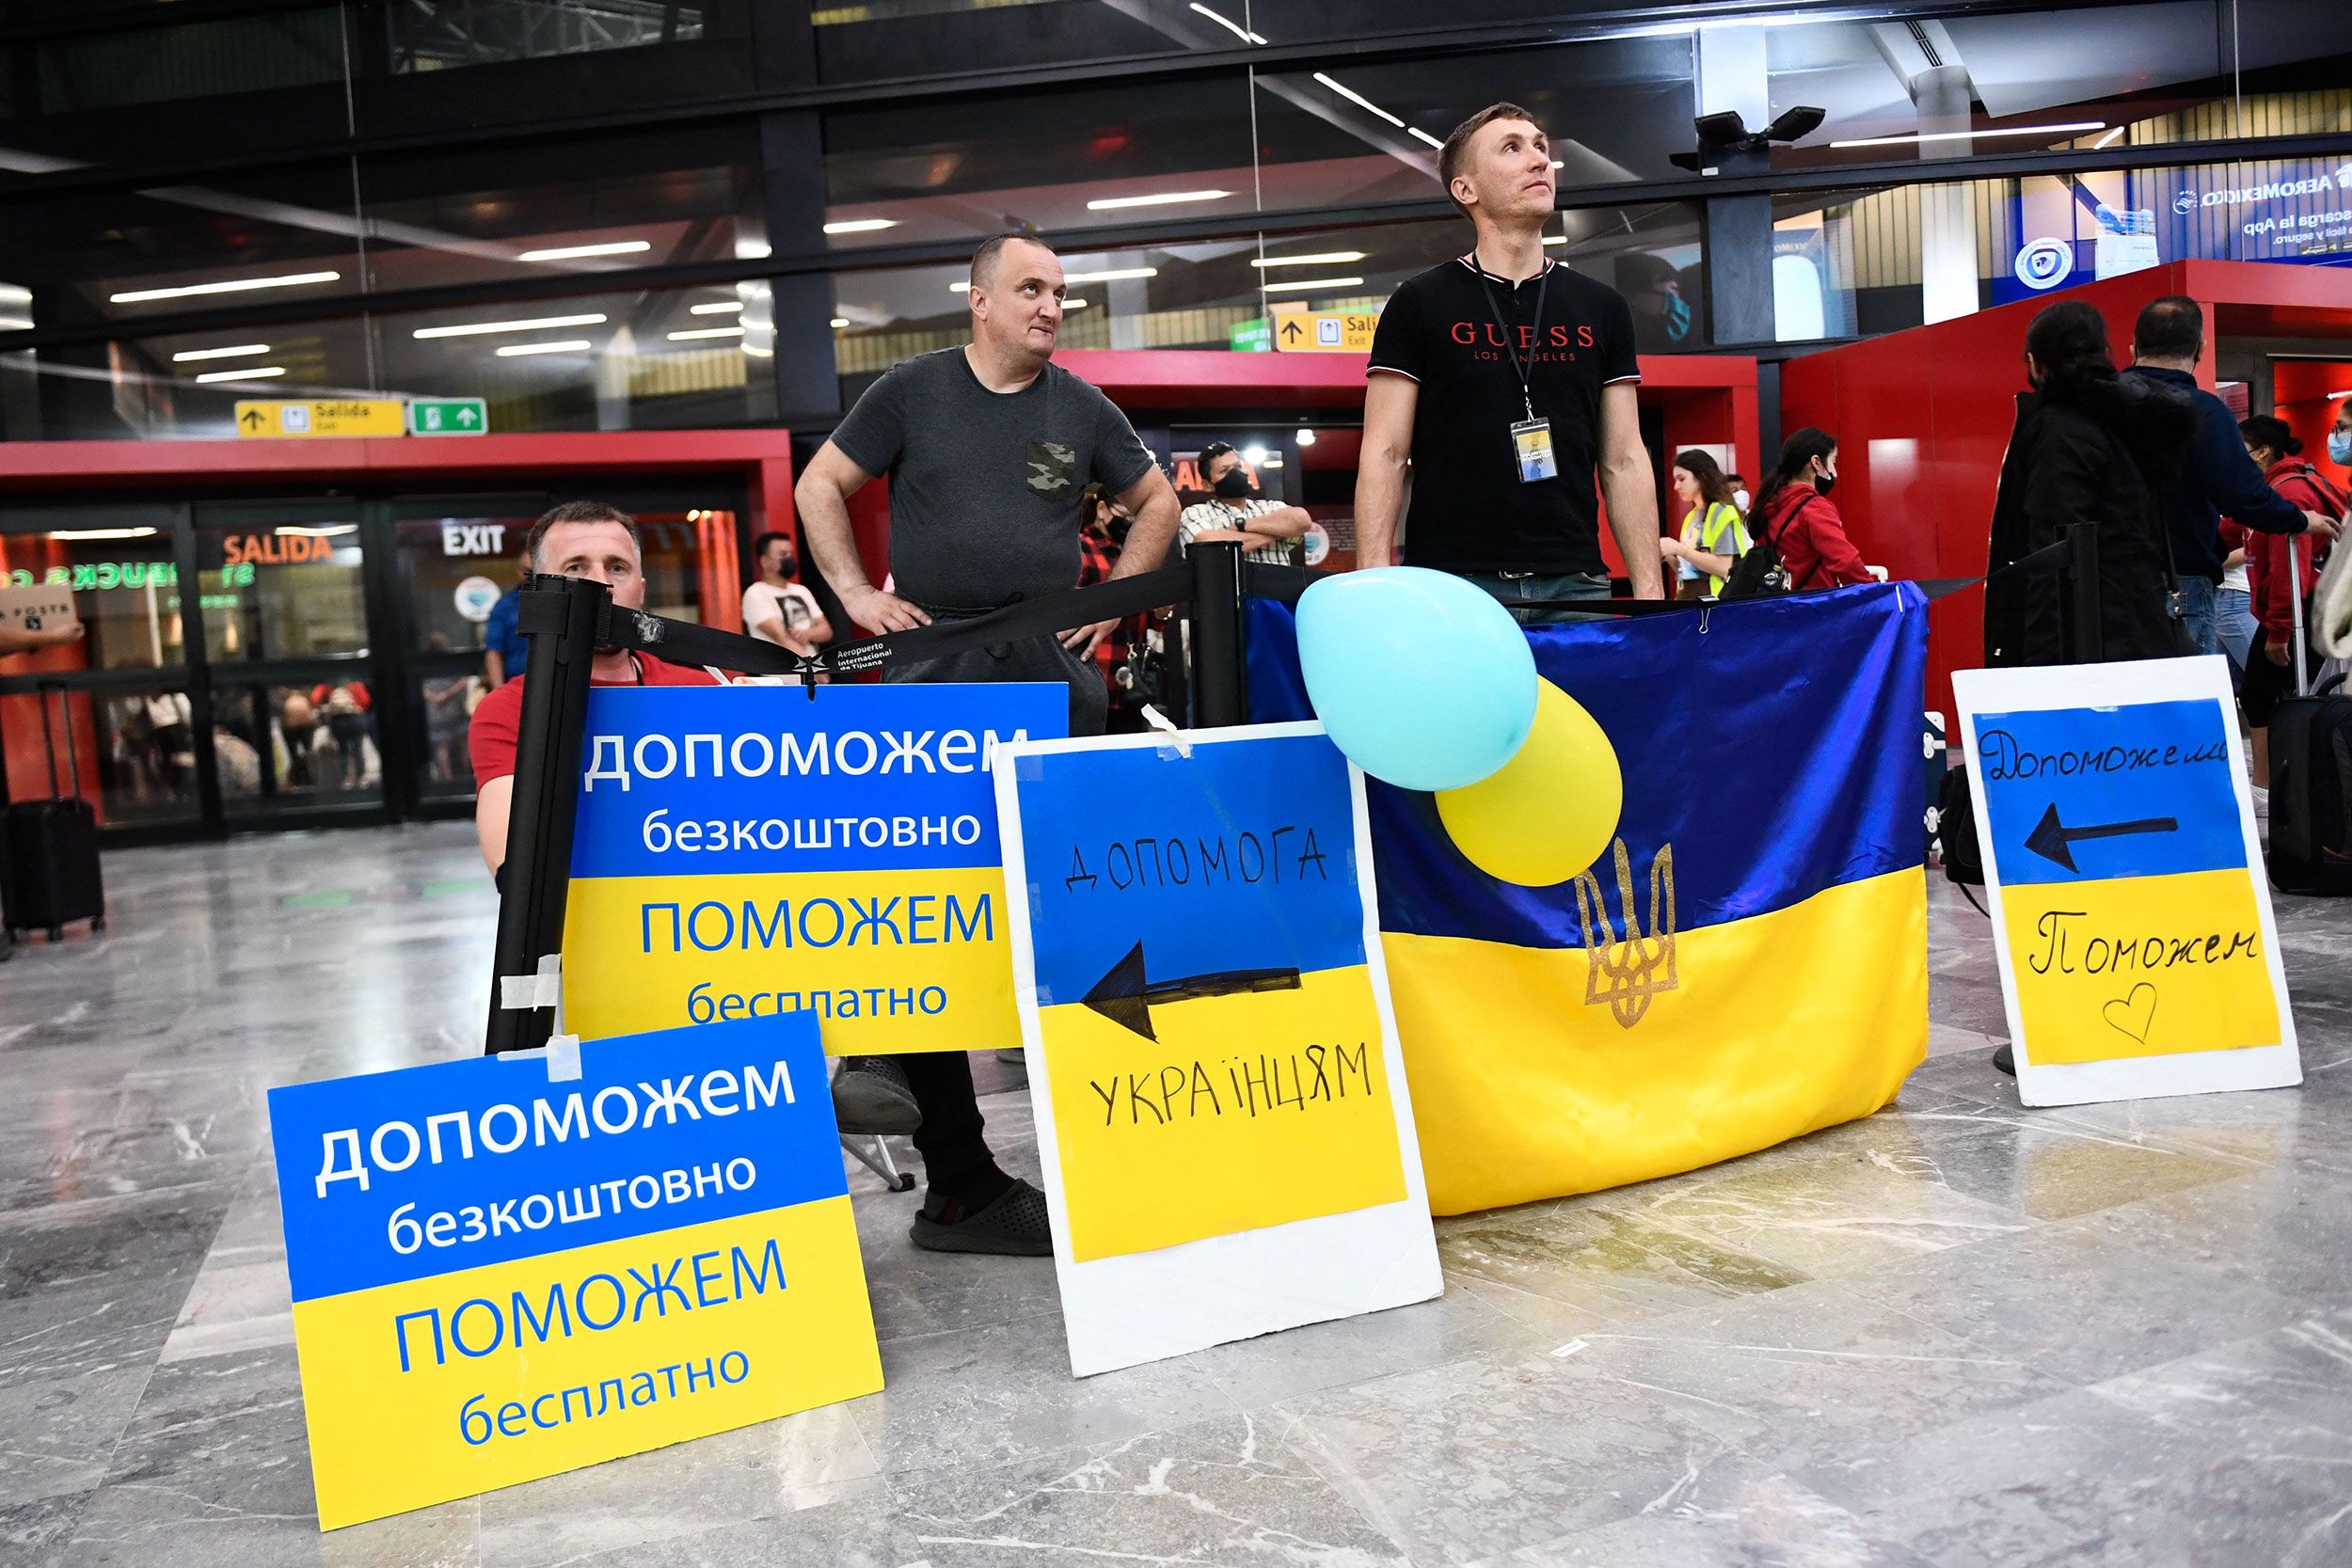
{"x": 498, "y": 1277}
{"x": 745, "y": 850}
{"x": 1212, "y": 1042}
{"x": 2131, "y": 917}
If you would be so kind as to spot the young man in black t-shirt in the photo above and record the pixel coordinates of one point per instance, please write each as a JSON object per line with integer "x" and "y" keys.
{"x": 1508, "y": 380}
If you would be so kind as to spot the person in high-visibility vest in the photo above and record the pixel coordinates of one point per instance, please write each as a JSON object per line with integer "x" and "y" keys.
{"x": 1713, "y": 533}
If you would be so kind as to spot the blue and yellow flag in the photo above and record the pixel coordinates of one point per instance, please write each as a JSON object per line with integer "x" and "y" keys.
{"x": 1746, "y": 963}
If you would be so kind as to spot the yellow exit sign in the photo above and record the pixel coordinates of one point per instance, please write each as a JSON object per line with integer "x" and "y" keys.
{"x": 1325, "y": 331}
{"x": 326, "y": 416}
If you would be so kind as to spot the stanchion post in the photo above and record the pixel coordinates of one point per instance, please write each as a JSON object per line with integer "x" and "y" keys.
{"x": 559, "y": 620}
{"x": 1221, "y": 689}
{"x": 2089, "y": 639}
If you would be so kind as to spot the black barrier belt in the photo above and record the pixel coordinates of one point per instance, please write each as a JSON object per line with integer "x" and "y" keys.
{"x": 687, "y": 643}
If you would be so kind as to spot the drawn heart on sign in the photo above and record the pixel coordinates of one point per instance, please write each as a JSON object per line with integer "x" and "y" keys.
{"x": 2133, "y": 1015}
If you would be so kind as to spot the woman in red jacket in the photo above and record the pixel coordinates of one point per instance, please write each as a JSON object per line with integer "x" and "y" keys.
{"x": 1794, "y": 511}
{"x": 2274, "y": 588}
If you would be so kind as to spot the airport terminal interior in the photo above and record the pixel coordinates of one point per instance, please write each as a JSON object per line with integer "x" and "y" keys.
{"x": 1767, "y": 1205}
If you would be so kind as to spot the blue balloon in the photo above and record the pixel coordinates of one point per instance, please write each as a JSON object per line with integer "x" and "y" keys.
{"x": 1423, "y": 680}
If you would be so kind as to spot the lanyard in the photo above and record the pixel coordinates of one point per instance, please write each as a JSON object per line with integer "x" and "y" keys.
{"x": 1510, "y": 344}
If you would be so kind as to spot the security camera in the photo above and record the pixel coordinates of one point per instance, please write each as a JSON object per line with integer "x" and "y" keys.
{"x": 1724, "y": 133}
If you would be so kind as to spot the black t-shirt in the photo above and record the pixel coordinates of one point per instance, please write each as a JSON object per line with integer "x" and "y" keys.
{"x": 1471, "y": 512}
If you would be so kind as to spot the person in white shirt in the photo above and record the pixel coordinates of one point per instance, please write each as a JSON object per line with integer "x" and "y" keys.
{"x": 777, "y": 609}
{"x": 1239, "y": 514}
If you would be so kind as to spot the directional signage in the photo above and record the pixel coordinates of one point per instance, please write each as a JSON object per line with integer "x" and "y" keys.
{"x": 324, "y": 417}
{"x": 1221, "y": 1107}
{"x": 1325, "y": 331}
{"x": 2138, "y": 951}
{"x": 1255, "y": 336}
{"x": 449, "y": 417}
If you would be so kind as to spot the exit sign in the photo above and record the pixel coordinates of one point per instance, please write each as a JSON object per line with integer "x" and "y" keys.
{"x": 448, "y": 417}
{"x": 1255, "y": 336}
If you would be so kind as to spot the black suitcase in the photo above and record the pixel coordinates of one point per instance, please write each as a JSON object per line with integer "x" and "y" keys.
{"x": 2311, "y": 792}
{"x": 52, "y": 863}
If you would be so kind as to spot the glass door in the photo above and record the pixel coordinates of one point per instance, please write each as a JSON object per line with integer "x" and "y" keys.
{"x": 296, "y": 721}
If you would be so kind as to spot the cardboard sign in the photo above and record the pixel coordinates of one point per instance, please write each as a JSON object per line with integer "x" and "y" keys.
{"x": 37, "y": 607}
{"x": 1222, "y": 1110}
{"x": 746, "y": 850}
{"x": 2138, "y": 952}
{"x": 500, "y": 1275}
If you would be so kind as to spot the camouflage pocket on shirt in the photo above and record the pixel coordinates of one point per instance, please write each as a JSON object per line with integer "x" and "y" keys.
{"x": 1051, "y": 467}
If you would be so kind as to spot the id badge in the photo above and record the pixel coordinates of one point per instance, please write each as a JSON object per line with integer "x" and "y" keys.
{"x": 1531, "y": 446}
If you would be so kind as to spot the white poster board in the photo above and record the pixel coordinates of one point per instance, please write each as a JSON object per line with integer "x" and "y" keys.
{"x": 1221, "y": 1109}
{"x": 2131, "y": 915}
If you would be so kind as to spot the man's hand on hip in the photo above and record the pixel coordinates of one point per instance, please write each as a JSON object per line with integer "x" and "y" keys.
{"x": 883, "y": 612}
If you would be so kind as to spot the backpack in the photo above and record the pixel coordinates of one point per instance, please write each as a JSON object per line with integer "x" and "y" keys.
{"x": 1758, "y": 570}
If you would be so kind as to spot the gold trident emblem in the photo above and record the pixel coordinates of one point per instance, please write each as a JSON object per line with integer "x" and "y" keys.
{"x": 1625, "y": 975}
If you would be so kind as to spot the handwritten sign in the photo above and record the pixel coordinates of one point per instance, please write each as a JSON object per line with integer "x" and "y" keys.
{"x": 499, "y": 1276}
{"x": 743, "y": 850}
{"x": 2138, "y": 952}
{"x": 1223, "y": 1120}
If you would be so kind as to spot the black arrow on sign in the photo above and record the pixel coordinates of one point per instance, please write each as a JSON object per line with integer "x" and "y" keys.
{"x": 2053, "y": 841}
{"x": 1291, "y": 331}
{"x": 1123, "y": 996}
{"x": 252, "y": 420}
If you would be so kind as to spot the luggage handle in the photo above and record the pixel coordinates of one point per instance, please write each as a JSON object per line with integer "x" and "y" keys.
{"x": 2295, "y": 598}
{"x": 49, "y": 741}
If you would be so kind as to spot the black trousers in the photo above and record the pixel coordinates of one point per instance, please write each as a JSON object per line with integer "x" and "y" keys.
{"x": 950, "y": 1139}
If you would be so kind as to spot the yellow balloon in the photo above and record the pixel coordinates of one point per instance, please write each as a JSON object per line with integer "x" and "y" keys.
{"x": 1550, "y": 811}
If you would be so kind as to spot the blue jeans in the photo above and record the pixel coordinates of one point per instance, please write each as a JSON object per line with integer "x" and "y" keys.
{"x": 1522, "y": 595}
{"x": 2197, "y": 595}
{"x": 2234, "y": 621}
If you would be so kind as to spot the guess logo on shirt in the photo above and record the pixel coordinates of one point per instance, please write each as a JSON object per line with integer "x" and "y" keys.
{"x": 1559, "y": 340}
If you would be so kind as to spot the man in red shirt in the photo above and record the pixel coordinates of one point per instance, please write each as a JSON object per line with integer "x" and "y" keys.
{"x": 589, "y": 539}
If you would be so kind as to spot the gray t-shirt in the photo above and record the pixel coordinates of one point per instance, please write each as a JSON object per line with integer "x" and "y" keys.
{"x": 984, "y": 486}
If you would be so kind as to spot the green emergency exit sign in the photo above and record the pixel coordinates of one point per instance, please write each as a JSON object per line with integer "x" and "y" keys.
{"x": 448, "y": 417}
{"x": 1255, "y": 336}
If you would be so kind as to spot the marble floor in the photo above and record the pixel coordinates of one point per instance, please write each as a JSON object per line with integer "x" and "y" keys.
{"x": 1957, "y": 1333}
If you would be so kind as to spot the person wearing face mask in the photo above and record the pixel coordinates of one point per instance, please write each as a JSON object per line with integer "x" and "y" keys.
{"x": 1235, "y": 511}
{"x": 2088, "y": 446}
{"x": 778, "y": 610}
{"x": 1794, "y": 511}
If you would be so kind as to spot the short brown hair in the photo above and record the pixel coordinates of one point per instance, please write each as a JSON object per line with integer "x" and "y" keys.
{"x": 579, "y": 512}
{"x": 1456, "y": 146}
{"x": 984, "y": 258}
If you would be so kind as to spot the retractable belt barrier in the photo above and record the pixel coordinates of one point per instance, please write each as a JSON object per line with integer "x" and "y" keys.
{"x": 567, "y": 619}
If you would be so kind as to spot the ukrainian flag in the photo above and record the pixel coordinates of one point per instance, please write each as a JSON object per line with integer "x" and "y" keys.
{"x": 1748, "y": 961}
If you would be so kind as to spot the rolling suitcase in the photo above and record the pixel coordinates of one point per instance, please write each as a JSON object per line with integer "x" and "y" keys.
{"x": 2311, "y": 775}
{"x": 52, "y": 863}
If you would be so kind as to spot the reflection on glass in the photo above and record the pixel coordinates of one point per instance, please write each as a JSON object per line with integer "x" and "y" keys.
{"x": 1081, "y": 158}
{"x": 885, "y": 39}
{"x": 134, "y": 751}
{"x": 445, "y": 35}
{"x": 455, "y": 571}
{"x": 126, "y": 591}
{"x": 283, "y": 747}
{"x": 447, "y": 702}
{"x": 282, "y": 591}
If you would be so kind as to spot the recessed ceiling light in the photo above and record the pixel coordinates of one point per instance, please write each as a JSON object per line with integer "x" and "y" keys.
{"x": 860, "y": 226}
{"x": 103, "y": 534}
{"x": 840, "y": 322}
{"x": 1555, "y": 239}
{"x": 2109, "y": 139}
{"x": 1075, "y": 303}
{"x": 1305, "y": 438}
{"x": 1228, "y": 23}
{"x": 717, "y": 307}
{"x": 257, "y": 373}
{"x": 332, "y": 531}
{"x": 1113, "y": 274}
{"x": 532, "y": 324}
{"x": 231, "y": 286}
{"x": 2068, "y": 129}
{"x": 1318, "y": 259}
{"x": 573, "y": 252}
{"x": 569, "y": 345}
{"x": 694, "y": 333}
{"x": 1303, "y": 284}
{"x": 1417, "y": 132}
{"x": 1158, "y": 198}
{"x": 238, "y": 351}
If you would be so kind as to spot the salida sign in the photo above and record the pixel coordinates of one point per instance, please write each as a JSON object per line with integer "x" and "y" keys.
{"x": 274, "y": 549}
